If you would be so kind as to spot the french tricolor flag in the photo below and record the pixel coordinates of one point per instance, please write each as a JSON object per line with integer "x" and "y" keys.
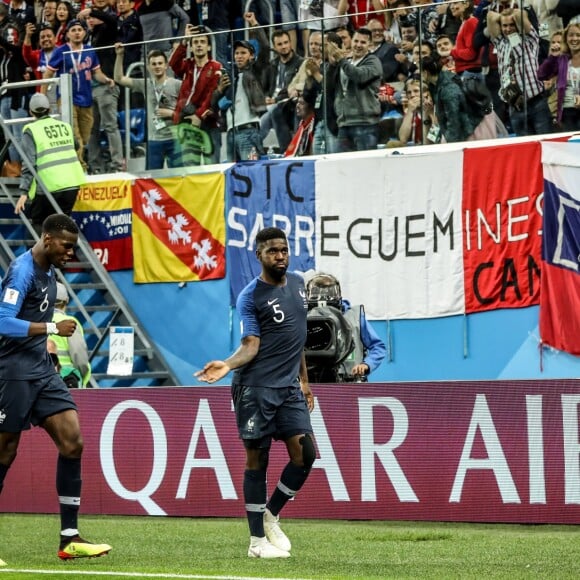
{"x": 560, "y": 282}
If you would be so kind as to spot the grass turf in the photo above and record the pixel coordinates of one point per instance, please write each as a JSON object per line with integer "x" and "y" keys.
{"x": 320, "y": 549}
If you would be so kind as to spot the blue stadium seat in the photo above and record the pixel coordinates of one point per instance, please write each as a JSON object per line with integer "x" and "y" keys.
{"x": 137, "y": 125}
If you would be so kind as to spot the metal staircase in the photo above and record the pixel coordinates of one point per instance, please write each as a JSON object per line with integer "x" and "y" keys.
{"x": 95, "y": 300}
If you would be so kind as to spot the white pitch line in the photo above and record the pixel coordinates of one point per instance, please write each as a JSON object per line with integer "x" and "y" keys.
{"x": 141, "y": 574}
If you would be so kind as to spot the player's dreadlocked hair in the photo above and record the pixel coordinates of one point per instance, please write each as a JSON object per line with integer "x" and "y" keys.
{"x": 57, "y": 223}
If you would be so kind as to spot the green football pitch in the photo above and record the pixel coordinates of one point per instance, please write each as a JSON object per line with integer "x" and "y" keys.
{"x": 191, "y": 548}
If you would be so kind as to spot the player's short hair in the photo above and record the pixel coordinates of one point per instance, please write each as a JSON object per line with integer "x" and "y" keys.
{"x": 364, "y": 32}
{"x": 334, "y": 38}
{"x": 269, "y": 234}
{"x": 57, "y": 223}
{"x": 279, "y": 34}
{"x": 156, "y": 53}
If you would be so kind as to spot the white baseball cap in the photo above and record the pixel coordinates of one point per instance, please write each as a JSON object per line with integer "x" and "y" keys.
{"x": 39, "y": 103}
{"x": 61, "y": 293}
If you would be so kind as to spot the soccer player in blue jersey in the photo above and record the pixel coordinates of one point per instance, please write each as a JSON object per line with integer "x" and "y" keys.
{"x": 270, "y": 390}
{"x": 31, "y": 391}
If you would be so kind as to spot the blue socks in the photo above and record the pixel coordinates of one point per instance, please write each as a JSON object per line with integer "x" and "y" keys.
{"x": 68, "y": 487}
{"x": 255, "y": 494}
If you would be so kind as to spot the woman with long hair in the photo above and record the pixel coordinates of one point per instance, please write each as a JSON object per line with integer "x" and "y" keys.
{"x": 64, "y": 14}
{"x": 466, "y": 56}
{"x": 566, "y": 68}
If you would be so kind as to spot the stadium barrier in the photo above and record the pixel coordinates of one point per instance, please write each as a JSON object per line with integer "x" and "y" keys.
{"x": 502, "y": 451}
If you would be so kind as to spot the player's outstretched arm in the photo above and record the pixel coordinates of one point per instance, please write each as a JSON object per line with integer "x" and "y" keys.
{"x": 213, "y": 371}
{"x": 216, "y": 369}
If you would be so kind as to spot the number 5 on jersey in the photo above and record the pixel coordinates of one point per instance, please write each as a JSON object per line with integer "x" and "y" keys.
{"x": 278, "y": 313}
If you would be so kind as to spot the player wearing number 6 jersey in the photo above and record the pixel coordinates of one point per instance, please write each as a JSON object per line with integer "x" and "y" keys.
{"x": 50, "y": 146}
{"x": 270, "y": 390}
{"x": 31, "y": 391}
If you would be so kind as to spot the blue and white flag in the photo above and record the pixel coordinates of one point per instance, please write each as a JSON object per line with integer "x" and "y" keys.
{"x": 560, "y": 282}
{"x": 268, "y": 194}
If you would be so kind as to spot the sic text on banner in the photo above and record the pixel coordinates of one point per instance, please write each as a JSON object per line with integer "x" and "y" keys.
{"x": 560, "y": 288}
{"x": 103, "y": 213}
{"x": 502, "y": 221}
{"x": 265, "y": 194}
{"x": 179, "y": 228}
{"x": 390, "y": 230}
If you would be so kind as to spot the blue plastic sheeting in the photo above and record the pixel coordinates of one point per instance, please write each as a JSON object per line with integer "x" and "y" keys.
{"x": 194, "y": 324}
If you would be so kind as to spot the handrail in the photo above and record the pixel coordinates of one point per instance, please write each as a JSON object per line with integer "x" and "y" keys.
{"x": 35, "y": 237}
{"x": 90, "y": 255}
{"x": 130, "y": 69}
{"x": 64, "y": 83}
{"x": 247, "y": 9}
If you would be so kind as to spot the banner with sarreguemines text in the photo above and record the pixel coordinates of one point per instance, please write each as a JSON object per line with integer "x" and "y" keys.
{"x": 264, "y": 194}
{"x": 179, "y": 228}
{"x": 390, "y": 230}
{"x": 502, "y": 226}
{"x": 560, "y": 295}
{"x": 502, "y": 451}
{"x": 103, "y": 213}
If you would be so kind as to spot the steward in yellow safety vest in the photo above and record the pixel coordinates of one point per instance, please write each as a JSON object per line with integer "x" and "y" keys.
{"x": 50, "y": 146}
{"x": 73, "y": 356}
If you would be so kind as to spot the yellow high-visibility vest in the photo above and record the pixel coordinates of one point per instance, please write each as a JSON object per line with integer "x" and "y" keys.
{"x": 57, "y": 163}
{"x": 62, "y": 345}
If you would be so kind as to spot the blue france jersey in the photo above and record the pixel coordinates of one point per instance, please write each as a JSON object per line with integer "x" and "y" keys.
{"x": 27, "y": 294}
{"x": 277, "y": 315}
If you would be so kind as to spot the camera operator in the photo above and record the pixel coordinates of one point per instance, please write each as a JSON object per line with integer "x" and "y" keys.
{"x": 356, "y": 349}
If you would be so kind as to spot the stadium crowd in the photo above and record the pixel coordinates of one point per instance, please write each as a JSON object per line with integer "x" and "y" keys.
{"x": 306, "y": 77}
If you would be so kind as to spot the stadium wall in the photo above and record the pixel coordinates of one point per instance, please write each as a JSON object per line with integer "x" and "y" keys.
{"x": 502, "y": 451}
{"x": 193, "y": 324}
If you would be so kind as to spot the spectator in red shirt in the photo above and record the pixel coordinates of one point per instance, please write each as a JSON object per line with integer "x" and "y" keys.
{"x": 200, "y": 75}
{"x": 466, "y": 56}
{"x": 38, "y": 59}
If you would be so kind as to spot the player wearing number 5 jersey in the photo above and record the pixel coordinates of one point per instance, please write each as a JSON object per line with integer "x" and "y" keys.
{"x": 50, "y": 146}
{"x": 270, "y": 390}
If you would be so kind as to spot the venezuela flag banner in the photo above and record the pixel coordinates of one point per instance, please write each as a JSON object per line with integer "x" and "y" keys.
{"x": 103, "y": 213}
{"x": 179, "y": 229}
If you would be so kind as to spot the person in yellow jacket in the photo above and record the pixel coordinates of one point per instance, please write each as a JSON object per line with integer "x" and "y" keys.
{"x": 50, "y": 146}
{"x": 73, "y": 356}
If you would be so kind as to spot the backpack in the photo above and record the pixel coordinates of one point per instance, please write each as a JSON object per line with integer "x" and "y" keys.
{"x": 477, "y": 95}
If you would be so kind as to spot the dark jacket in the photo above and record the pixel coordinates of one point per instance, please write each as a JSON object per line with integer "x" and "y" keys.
{"x": 221, "y": 14}
{"x": 105, "y": 35}
{"x": 456, "y": 120}
{"x": 392, "y": 68}
{"x": 12, "y": 69}
{"x": 129, "y": 31}
{"x": 322, "y": 95}
{"x": 254, "y": 73}
{"x": 271, "y": 74}
{"x": 251, "y": 77}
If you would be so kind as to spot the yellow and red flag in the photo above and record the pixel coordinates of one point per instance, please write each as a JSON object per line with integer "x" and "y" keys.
{"x": 179, "y": 231}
